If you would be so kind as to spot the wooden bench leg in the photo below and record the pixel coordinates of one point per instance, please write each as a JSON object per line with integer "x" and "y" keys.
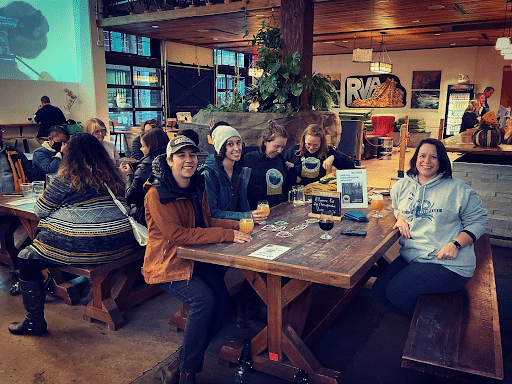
{"x": 103, "y": 307}
{"x": 63, "y": 288}
{"x": 179, "y": 319}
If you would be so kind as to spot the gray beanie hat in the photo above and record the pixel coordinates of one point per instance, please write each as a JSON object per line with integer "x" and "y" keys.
{"x": 221, "y": 134}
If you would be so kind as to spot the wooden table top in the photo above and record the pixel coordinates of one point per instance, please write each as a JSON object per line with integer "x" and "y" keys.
{"x": 341, "y": 261}
{"x": 456, "y": 144}
{"x": 24, "y": 211}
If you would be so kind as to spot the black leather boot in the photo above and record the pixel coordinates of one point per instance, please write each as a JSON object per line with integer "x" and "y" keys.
{"x": 33, "y": 294}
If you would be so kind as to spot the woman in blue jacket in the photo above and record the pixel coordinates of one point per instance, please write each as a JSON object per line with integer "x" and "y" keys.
{"x": 226, "y": 180}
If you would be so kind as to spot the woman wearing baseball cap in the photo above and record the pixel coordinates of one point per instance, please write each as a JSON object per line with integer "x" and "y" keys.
{"x": 177, "y": 213}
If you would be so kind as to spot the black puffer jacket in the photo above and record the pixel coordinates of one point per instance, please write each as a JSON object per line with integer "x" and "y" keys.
{"x": 134, "y": 192}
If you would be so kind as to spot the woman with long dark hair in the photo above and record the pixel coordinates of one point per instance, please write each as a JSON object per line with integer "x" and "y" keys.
{"x": 80, "y": 224}
{"x": 153, "y": 143}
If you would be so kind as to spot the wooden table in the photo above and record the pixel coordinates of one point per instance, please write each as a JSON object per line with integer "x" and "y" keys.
{"x": 108, "y": 299}
{"x": 305, "y": 288}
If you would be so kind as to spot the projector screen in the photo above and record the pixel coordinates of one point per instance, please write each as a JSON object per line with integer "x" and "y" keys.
{"x": 39, "y": 40}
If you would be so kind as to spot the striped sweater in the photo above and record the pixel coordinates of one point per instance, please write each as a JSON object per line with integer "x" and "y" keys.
{"x": 79, "y": 227}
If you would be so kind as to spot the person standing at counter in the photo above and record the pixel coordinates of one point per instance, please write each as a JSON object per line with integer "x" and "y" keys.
{"x": 470, "y": 117}
{"x": 313, "y": 158}
{"x": 439, "y": 218}
{"x": 271, "y": 178}
{"x": 47, "y": 116}
{"x": 481, "y": 100}
{"x": 488, "y": 92}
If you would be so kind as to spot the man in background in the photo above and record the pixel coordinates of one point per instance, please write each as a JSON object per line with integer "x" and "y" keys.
{"x": 47, "y": 116}
{"x": 47, "y": 158}
{"x": 488, "y": 92}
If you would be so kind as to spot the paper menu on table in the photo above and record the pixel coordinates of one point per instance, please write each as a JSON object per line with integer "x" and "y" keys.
{"x": 22, "y": 201}
{"x": 269, "y": 251}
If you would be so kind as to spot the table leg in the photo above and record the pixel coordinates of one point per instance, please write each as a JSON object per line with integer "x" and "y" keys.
{"x": 286, "y": 351}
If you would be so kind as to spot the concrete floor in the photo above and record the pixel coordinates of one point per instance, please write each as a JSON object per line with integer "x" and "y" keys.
{"x": 365, "y": 343}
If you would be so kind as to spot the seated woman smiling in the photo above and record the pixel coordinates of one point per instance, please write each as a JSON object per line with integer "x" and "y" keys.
{"x": 177, "y": 213}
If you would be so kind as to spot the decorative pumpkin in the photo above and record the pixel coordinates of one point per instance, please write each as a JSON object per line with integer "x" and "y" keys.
{"x": 488, "y": 133}
{"x": 486, "y": 136}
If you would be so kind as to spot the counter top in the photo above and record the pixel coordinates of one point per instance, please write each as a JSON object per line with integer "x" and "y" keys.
{"x": 459, "y": 144}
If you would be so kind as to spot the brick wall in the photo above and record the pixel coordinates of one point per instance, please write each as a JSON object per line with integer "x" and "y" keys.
{"x": 493, "y": 183}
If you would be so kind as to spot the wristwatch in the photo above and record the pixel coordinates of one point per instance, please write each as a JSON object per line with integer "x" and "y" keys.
{"x": 457, "y": 244}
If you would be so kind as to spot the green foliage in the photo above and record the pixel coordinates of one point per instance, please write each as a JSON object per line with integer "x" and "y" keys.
{"x": 323, "y": 93}
{"x": 146, "y": 3}
{"x": 279, "y": 88}
{"x": 232, "y": 103}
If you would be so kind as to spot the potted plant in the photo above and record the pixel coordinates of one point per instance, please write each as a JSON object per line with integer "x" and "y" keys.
{"x": 161, "y": 5}
{"x": 323, "y": 94}
{"x": 488, "y": 132}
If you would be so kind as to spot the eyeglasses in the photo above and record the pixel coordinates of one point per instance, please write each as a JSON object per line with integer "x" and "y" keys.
{"x": 100, "y": 132}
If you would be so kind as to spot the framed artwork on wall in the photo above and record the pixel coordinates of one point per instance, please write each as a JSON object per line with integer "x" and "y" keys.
{"x": 426, "y": 87}
{"x": 425, "y": 99}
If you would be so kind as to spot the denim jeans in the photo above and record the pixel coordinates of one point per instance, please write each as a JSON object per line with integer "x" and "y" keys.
{"x": 208, "y": 299}
{"x": 400, "y": 284}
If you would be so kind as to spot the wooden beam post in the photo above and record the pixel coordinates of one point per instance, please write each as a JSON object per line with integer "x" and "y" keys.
{"x": 297, "y": 17}
{"x": 404, "y": 133}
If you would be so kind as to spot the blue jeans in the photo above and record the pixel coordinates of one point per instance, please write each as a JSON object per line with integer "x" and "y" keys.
{"x": 208, "y": 300}
{"x": 400, "y": 284}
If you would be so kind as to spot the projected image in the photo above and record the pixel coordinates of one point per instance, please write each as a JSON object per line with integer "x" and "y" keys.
{"x": 38, "y": 41}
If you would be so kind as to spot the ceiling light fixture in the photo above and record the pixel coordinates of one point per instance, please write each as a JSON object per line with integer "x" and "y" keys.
{"x": 437, "y": 34}
{"x": 203, "y": 30}
{"x": 503, "y": 42}
{"x": 380, "y": 65}
{"x": 154, "y": 26}
{"x": 361, "y": 55}
{"x": 415, "y": 21}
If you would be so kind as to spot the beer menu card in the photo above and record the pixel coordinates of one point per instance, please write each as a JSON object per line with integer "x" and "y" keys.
{"x": 351, "y": 183}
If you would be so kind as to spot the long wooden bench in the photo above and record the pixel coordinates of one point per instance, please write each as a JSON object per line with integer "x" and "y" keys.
{"x": 457, "y": 335}
{"x": 109, "y": 299}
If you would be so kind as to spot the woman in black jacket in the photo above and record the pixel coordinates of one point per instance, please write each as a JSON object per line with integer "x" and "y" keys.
{"x": 153, "y": 143}
{"x": 470, "y": 117}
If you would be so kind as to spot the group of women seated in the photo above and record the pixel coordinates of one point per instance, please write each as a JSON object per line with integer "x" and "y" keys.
{"x": 81, "y": 224}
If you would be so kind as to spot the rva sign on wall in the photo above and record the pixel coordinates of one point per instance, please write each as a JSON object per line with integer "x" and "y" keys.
{"x": 375, "y": 91}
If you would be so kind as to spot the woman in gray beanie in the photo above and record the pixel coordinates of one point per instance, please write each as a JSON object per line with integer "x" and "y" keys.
{"x": 226, "y": 180}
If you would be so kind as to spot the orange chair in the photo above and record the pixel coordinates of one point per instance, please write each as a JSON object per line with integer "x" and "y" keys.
{"x": 383, "y": 126}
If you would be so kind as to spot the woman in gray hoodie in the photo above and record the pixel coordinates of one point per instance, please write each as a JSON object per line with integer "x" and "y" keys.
{"x": 439, "y": 218}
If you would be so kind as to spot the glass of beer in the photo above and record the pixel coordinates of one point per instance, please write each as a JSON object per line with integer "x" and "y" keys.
{"x": 263, "y": 207}
{"x": 377, "y": 204}
{"x": 326, "y": 223}
{"x": 246, "y": 222}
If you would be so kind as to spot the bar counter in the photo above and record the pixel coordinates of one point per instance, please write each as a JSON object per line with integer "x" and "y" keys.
{"x": 488, "y": 170}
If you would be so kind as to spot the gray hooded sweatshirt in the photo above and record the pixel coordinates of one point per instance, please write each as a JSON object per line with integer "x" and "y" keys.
{"x": 437, "y": 212}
